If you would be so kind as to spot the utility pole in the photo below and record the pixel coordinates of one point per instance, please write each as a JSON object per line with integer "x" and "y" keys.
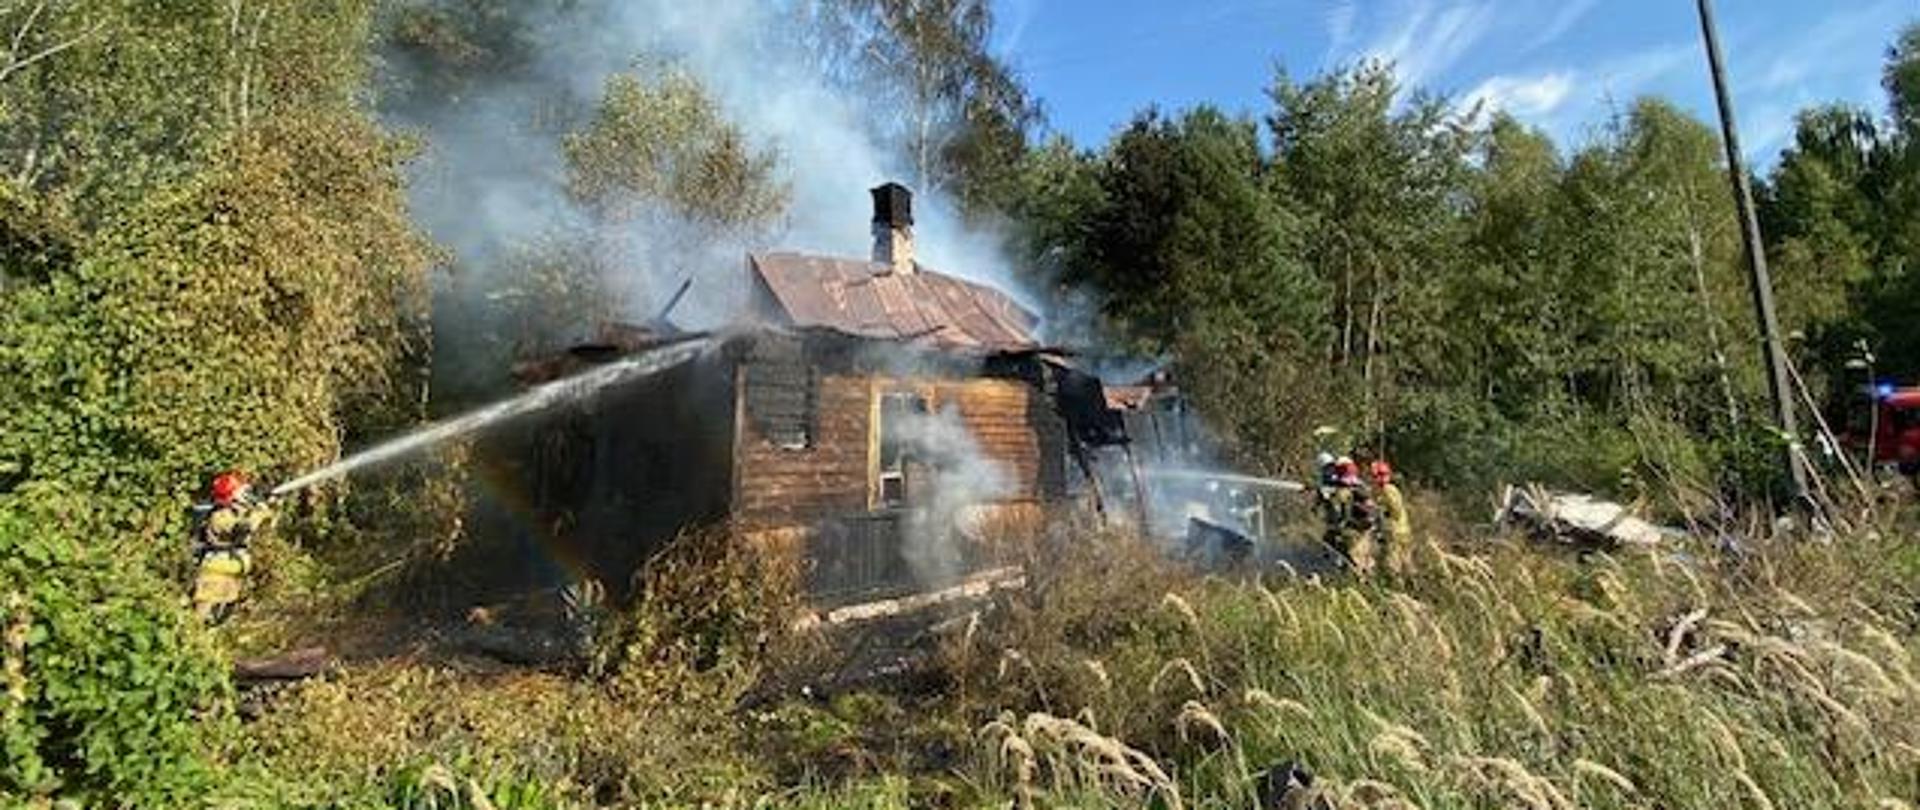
{"x": 1758, "y": 278}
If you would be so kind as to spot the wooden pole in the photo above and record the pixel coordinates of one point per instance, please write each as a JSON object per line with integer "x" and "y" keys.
{"x": 1832, "y": 439}
{"x": 1756, "y": 251}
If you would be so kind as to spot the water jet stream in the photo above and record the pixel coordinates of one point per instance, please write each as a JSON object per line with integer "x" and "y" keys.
{"x": 562, "y": 391}
{"x": 1225, "y": 478}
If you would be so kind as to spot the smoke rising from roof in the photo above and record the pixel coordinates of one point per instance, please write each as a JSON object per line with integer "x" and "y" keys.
{"x": 493, "y": 177}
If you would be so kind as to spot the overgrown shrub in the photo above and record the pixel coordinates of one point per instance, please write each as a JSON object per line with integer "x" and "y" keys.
{"x": 111, "y": 692}
{"x": 708, "y": 609}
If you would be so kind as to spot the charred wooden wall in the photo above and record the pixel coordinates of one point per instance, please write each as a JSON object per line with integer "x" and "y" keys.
{"x": 801, "y": 437}
{"x": 806, "y": 446}
{"x": 609, "y": 480}
{"x": 805, "y": 430}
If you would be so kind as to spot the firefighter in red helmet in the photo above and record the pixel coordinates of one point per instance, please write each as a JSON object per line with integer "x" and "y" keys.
{"x": 221, "y": 537}
{"x": 1349, "y": 514}
{"x": 1394, "y": 525}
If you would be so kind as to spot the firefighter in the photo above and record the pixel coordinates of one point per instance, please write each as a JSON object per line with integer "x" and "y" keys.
{"x": 1349, "y": 515}
{"x": 220, "y": 555}
{"x": 1394, "y": 525}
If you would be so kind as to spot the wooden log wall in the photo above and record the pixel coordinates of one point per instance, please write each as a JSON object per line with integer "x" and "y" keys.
{"x": 807, "y": 436}
{"x": 777, "y": 485}
{"x": 1015, "y": 426}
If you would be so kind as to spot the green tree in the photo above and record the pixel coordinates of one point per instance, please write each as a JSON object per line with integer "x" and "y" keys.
{"x": 666, "y": 144}
{"x": 1057, "y": 192}
{"x": 1893, "y": 304}
{"x": 655, "y": 184}
{"x": 1375, "y": 187}
{"x": 1187, "y": 253}
{"x": 246, "y": 291}
{"x": 1902, "y": 80}
{"x": 1510, "y": 325}
{"x": 960, "y": 116}
{"x": 1822, "y": 223}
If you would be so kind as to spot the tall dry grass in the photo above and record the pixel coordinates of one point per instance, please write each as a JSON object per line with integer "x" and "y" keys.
{"x": 1495, "y": 676}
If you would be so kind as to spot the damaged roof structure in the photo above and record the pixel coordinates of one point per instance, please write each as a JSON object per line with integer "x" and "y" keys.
{"x": 882, "y": 422}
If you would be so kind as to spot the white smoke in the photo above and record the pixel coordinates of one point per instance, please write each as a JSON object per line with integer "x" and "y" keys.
{"x": 945, "y": 516}
{"x": 493, "y": 177}
{"x": 746, "y": 54}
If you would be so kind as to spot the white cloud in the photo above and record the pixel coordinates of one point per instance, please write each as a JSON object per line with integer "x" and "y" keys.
{"x": 1340, "y": 19}
{"x": 1811, "y": 52}
{"x": 1522, "y": 96}
{"x": 1568, "y": 102}
{"x": 1429, "y": 40}
{"x": 1571, "y": 12}
{"x": 1628, "y": 75}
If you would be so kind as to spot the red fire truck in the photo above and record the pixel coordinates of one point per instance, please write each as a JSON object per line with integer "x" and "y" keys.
{"x": 1896, "y": 427}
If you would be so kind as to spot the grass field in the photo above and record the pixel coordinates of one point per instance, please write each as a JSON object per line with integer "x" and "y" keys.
{"x": 1496, "y": 675}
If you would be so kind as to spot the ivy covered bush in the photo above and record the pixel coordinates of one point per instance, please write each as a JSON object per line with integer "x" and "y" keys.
{"x": 110, "y": 694}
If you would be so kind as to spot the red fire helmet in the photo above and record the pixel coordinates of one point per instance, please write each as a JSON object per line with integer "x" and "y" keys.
{"x": 1381, "y": 471}
{"x": 1345, "y": 468}
{"x": 227, "y": 486}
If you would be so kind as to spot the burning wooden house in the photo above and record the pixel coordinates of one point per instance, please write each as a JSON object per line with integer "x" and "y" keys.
{"x": 885, "y": 421}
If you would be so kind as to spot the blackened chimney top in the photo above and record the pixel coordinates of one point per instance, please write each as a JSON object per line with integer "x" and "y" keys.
{"x": 892, "y": 205}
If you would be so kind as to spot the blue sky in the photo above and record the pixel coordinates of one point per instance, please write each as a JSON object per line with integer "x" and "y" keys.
{"x": 1564, "y": 66}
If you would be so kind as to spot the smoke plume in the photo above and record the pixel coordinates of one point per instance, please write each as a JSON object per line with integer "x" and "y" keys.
{"x": 945, "y": 516}
{"x": 493, "y": 177}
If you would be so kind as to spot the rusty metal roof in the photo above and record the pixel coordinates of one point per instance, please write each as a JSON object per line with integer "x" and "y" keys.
{"x": 862, "y": 298}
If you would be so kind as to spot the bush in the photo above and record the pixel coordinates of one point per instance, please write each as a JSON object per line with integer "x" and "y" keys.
{"x": 109, "y": 686}
{"x": 711, "y": 608}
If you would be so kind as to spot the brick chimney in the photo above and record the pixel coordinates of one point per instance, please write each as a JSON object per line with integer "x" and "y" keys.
{"x": 893, "y": 228}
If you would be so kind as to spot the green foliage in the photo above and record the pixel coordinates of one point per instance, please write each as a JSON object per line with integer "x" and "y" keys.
{"x": 441, "y": 54}
{"x": 665, "y": 144}
{"x": 236, "y": 320}
{"x": 710, "y": 611}
{"x": 437, "y": 787}
{"x": 1372, "y": 187}
{"x": 958, "y": 115}
{"x": 205, "y": 261}
{"x": 655, "y": 176}
{"x": 1457, "y": 295}
{"x": 1902, "y": 80}
{"x": 1186, "y": 236}
{"x": 1187, "y": 253}
{"x": 112, "y": 693}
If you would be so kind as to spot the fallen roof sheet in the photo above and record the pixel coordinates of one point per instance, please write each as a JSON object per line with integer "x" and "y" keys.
{"x": 1584, "y": 515}
{"x": 861, "y": 298}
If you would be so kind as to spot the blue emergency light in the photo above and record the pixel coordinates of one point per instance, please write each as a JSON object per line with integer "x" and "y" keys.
{"x": 1883, "y": 390}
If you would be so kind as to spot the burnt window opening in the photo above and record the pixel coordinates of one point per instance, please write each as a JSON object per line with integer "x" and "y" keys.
{"x": 897, "y": 410}
{"x": 783, "y": 397}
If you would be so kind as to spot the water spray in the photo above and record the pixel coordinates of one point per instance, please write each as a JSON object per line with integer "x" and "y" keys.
{"x": 559, "y": 392}
{"x": 1226, "y": 478}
